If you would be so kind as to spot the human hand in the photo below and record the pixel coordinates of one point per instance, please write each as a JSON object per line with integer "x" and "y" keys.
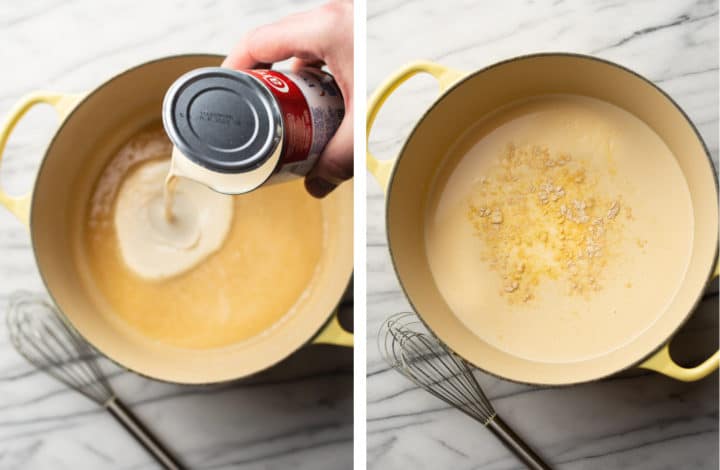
{"x": 323, "y": 36}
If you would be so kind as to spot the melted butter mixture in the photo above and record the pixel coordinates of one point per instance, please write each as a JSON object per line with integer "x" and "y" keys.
{"x": 222, "y": 270}
{"x": 559, "y": 228}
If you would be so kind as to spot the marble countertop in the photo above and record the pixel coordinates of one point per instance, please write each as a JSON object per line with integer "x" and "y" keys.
{"x": 636, "y": 420}
{"x": 298, "y": 415}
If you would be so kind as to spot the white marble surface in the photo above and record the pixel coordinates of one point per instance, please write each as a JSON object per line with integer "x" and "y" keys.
{"x": 637, "y": 420}
{"x": 297, "y": 416}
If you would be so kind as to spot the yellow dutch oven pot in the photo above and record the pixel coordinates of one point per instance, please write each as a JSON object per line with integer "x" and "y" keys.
{"x": 91, "y": 127}
{"x": 467, "y": 98}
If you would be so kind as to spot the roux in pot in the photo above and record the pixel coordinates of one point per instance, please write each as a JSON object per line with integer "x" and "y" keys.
{"x": 249, "y": 283}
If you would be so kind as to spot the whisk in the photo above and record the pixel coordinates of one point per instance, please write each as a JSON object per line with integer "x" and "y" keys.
{"x": 407, "y": 347}
{"x": 39, "y": 335}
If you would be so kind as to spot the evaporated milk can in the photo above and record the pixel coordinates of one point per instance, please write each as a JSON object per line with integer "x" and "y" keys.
{"x": 234, "y": 131}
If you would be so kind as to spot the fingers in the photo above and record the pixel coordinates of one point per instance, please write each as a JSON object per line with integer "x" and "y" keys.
{"x": 315, "y": 38}
{"x": 300, "y": 35}
{"x": 299, "y": 64}
{"x": 335, "y": 164}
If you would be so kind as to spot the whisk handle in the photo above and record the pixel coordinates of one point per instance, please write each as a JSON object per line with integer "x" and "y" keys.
{"x": 142, "y": 434}
{"x": 516, "y": 445}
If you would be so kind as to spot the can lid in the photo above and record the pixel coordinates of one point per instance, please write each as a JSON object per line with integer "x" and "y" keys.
{"x": 223, "y": 120}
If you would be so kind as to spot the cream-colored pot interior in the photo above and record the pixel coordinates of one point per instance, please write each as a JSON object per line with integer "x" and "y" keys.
{"x": 101, "y": 122}
{"x": 462, "y": 105}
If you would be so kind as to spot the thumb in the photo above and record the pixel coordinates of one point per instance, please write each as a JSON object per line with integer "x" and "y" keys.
{"x": 335, "y": 164}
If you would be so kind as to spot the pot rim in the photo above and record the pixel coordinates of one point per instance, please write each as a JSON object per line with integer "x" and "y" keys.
{"x": 64, "y": 317}
{"x": 462, "y": 81}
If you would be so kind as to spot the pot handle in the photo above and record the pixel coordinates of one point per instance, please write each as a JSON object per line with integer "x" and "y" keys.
{"x": 63, "y": 103}
{"x": 663, "y": 363}
{"x": 445, "y": 76}
{"x": 333, "y": 333}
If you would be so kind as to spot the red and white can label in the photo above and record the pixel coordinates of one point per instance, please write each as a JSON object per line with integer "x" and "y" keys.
{"x": 312, "y": 109}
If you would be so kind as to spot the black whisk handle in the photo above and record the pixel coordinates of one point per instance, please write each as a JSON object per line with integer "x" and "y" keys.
{"x": 142, "y": 434}
{"x": 516, "y": 445}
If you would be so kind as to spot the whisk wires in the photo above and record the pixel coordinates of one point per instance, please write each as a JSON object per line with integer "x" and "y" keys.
{"x": 407, "y": 346}
{"x": 45, "y": 340}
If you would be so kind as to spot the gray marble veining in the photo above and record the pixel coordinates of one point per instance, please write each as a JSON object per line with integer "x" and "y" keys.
{"x": 636, "y": 420}
{"x": 298, "y": 415}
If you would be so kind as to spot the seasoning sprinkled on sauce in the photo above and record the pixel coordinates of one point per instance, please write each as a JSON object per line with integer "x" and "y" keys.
{"x": 540, "y": 216}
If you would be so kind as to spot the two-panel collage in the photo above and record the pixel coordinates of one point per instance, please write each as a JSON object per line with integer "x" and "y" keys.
{"x": 349, "y": 235}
